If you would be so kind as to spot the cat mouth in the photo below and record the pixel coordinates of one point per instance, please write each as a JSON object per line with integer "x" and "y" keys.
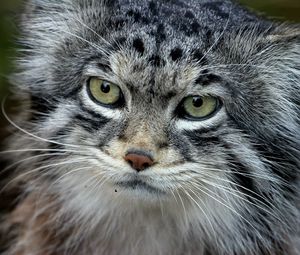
{"x": 137, "y": 184}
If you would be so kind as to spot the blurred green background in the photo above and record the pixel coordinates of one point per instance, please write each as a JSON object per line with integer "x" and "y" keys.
{"x": 276, "y": 9}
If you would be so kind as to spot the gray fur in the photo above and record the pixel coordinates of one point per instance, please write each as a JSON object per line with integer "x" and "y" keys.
{"x": 227, "y": 185}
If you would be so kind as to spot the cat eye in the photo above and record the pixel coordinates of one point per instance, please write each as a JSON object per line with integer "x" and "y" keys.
{"x": 105, "y": 93}
{"x": 199, "y": 107}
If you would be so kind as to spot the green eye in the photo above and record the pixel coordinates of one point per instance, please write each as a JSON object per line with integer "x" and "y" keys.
{"x": 198, "y": 108}
{"x": 104, "y": 92}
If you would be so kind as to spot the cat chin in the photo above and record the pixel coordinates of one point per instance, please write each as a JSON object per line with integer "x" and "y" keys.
{"x": 136, "y": 191}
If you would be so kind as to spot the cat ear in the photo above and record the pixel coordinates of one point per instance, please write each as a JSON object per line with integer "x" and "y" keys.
{"x": 281, "y": 46}
{"x": 52, "y": 8}
{"x": 285, "y": 33}
{"x": 281, "y": 56}
{"x": 44, "y": 8}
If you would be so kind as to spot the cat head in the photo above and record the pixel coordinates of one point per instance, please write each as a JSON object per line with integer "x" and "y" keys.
{"x": 158, "y": 102}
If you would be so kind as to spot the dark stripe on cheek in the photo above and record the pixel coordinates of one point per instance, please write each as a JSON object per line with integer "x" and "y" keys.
{"x": 281, "y": 165}
{"x": 58, "y": 138}
{"x": 90, "y": 124}
{"x": 91, "y": 113}
{"x": 275, "y": 151}
{"x": 204, "y": 136}
{"x": 41, "y": 107}
{"x": 199, "y": 140}
{"x": 181, "y": 144}
{"x": 243, "y": 176}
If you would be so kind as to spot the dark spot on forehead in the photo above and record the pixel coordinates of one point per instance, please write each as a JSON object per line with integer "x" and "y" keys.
{"x": 153, "y": 8}
{"x": 176, "y": 53}
{"x": 118, "y": 42}
{"x": 216, "y": 7}
{"x": 119, "y": 24}
{"x": 105, "y": 67}
{"x": 208, "y": 34}
{"x": 206, "y": 79}
{"x": 170, "y": 95}
{"x": 135, "y": 15}
{"x": 199, "y": 57}
{"x": 188, "y": 27}
{"x": 195, "y": 27}
{"x": 161, "y": 36}
{"x": 189, "y": 15}
{"x": 155, "y": 60}
{"x": 138, "y": 45}
{"x": 183, "y": 28}
{"x": 145, "y": 20}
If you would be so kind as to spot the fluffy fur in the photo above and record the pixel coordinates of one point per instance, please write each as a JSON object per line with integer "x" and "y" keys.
{"x": 225, "y": 185}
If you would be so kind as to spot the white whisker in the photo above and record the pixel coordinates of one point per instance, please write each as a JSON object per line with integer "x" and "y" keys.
{"x": 30, "y": 134}
{"x": 20, "y": 176}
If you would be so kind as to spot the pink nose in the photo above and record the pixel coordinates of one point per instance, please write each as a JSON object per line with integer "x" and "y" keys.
{"x": 138, "y": 162}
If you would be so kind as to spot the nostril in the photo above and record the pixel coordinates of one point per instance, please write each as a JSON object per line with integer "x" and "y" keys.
{"x": 139, "y": 160}
{"x": 130, "y": 162}
{"x": 145, "y": 165}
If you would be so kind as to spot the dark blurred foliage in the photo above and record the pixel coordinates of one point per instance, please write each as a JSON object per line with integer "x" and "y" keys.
{"x": 281, "y": 10}
{"x": 10, "y": 11}
{"x": 8, "y": 33}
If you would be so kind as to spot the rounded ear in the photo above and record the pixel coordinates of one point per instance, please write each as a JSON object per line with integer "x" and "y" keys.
{"x": 285, "y": 33}
{"x": 282, "y": 57}
{"x": 49, "y": 9}
{"x": 39, "y": 9}
{"x": 281, "y": 46}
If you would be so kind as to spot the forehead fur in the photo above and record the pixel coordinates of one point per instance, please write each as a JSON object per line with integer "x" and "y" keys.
{"x": 156, "y": 42}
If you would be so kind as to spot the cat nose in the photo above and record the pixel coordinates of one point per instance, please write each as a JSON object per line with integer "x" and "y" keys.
{"x": 139, "y": 160}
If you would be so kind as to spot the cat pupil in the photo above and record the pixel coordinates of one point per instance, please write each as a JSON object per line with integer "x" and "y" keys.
{"x": 197, "y": 102}
{"x": 105, "y": 88}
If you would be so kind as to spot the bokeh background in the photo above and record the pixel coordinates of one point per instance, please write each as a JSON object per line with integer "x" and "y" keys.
{"x": 281, "y": 10}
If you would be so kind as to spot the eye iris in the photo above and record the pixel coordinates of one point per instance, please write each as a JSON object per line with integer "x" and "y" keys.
{"x": 105, "y": 88}
{"x": 197, "y": 102}
{"x": 199, "y": 107}
{"x": 105, "y": 93}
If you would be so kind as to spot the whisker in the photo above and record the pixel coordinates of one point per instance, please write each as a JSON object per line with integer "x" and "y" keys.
{"x": 252, "y": 175}
{"x": 236, "y": 194}
{"x": 227, "y": 206}
{"x": 197, "y": 204}
{"x": 79, "y": 160}
{"x": 63, "y": 176}
{"x": 207, "y": 174}
{"x": 183, "y": 207}
{"x": 30, "y": 158}
{"x": 70, "y": 173}
{"x": 28, "y": 133}
{"x": 37, "y": 150}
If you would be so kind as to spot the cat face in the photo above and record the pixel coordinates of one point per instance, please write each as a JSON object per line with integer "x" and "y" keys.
{"x": 204, "y": 101}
